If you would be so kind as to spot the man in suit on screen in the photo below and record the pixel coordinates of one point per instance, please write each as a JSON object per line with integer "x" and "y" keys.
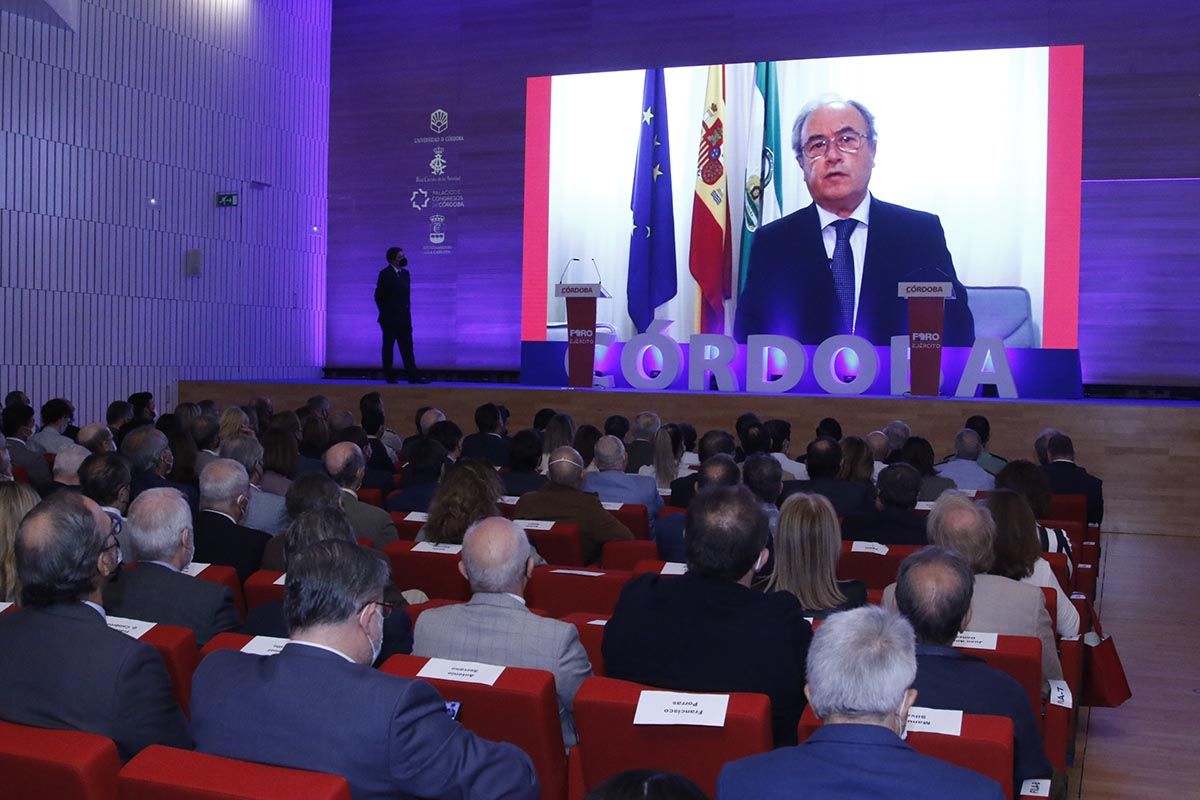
{"x": 392, "y": 298}
{"x": 833, "y": 266}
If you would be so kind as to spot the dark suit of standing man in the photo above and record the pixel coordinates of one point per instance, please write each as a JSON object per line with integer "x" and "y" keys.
{"x": 392, "y": 295}
{"x": 792, "y": 285}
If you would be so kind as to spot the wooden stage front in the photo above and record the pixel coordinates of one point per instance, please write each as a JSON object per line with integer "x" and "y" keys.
{"x": 1147, "y": 453}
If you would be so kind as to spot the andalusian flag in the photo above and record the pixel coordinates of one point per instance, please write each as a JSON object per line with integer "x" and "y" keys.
{"x": 711, "y": 257}
{"x": 764, "y": 190}
{"x": 651, "y": 280}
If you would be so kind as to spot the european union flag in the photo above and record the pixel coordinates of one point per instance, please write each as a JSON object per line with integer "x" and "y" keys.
{"x": 652, "y": 279}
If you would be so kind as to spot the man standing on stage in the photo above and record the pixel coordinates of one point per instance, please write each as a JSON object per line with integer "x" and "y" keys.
{"x": 395, "y": 315}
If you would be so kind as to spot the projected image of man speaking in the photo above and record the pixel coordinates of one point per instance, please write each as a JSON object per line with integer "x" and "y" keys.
{"x": 832, "y": 267}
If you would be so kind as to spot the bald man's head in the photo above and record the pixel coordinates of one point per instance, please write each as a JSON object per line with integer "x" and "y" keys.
{"x": 346, "y": 464}
{"x": 429, "y": 419}
{"x": 610, "y": 453}
{"x": 934, "y": 589}
{"x": 496, "y": 557}
{"x": 64, "y": 551}
{"x": 566, "y": 467}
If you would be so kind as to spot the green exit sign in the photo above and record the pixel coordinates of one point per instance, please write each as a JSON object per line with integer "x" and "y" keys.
{"x": 227, "y": 200}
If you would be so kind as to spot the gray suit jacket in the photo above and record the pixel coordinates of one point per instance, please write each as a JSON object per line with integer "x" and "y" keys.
{"x": 266, "y": 512}
{"x": 499, "y": 629}
{"x": 367, "y": 520}
{"x": 155, "y": 593}
{"x": 615, "y": 486}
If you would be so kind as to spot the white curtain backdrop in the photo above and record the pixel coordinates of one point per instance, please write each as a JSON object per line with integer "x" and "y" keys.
{"x": 961, "y": 135}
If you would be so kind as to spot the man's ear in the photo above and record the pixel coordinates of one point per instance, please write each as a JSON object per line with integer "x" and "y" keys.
{"x": 185, "y": 537}
{"x": 529, "y": 562}
{"x": 808, "y": 696}
{"x": 462, "y": 569}
{"x": 966, "y": 621}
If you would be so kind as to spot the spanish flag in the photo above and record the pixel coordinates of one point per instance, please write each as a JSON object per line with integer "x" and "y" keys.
{"x": 711, "y": 256}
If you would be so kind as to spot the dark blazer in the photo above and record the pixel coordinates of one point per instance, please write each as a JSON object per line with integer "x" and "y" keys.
{"x": 889, "y": 526}
{"x": 851, "y": 762}
{"x": 220, "y": 540}
{"x": 392, "y": 297}
{"x": 156, "y": 593}
{"x": 668, "y": 535}
{"x": 698, "y": 634}
{"x": 518, "y": 483}
{"x": 412, "y": 498}
{"x": 855, "y": 593}
{"x": 684, "y": 489}
{"x": 1068, "y": 478}
{"x": 947, "y": 678}
{"x": 32, "y": 461}
{"x": 142, "y": 481}
{"x": 848, "y": 497}
{"x": 640, "y": 454}
{"x": 63, "y": 667}
{"x": 790, "y": 290}
{"x": 390, "y": 737}
{"x": 267, "y": 620}
{"x": 488, "y": 447}
{"x": 379, "y": 456}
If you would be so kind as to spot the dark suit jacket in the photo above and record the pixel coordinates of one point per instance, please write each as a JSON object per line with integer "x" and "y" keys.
{"x": 487, "y": 447}
{"x": 947, "y": 678}
{"x": 62, "y": 667}
{"x": 412, "y": 498}
{"x": 855, "y": 593}
{"x": 379, "y": 456}
{"x": 141, "y": 481}
{"x": 156, "y": 593}
{"x": 889, "y": 526}
{"x": 848, "y": 497}
{"x": 33, "y": 462}
{"x": 790, "y": 290}
{"x": 684, "y": 489}
{"x": 697, "y": 634}
{"x": 219, "y": 540}
{"x": 568, "y": 504}
{"x": 1068, "y": 478}
{"x": 640, "y": 454}
{"x": 392, "y": 297}
{"x": 267, "y": 620}
{"x": 389, "y": 737}
{"x": 851, "y": 762}
{"x": 668, "y": 535}
{"x": 518, "y": 483}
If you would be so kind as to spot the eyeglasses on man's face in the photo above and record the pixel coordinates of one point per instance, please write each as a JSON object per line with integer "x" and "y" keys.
{"x": 847, "y": 141}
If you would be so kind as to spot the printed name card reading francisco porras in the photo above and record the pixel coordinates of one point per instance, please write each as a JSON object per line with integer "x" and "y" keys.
{"x": 974, "y": 640}
{"x": 935, "y": 720}
{"x": 281, "y": 580}
{"x": 679, "y": 708}
{"x": 869, "y": 547}
{"x": 673, "y": 568}
{"x": 130, "y": 627}
{"x": 195, "y": 568}
{"x": 416, "y": 516}
{"x": 588, "y": 573}
{"x": 462, "y": 671}
{"x": 264, "y": 645}
{"x": 534, "y": 524}
{"x": 435, "y": 547}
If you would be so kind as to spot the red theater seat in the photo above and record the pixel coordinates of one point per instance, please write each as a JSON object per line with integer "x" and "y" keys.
{"x": 561, "y": 544}
{"x": 609, "y": 742}
{"x": 226, "y": 576}
{"x": 626, "y": 555}
{"x": 165, "y": 773}
{"x": 20, "y": 474}
{"x": 1020, "y": 657}
{"x": 409, "y": 523}
{"x": 225, "y": 641}
{"x": 591, "y": 636}
{"x": 371, "y": 496}
{"x": 560, "y": 591}
{"x": 636, "y": 517}
{"x": 261, "y": 588}
{"x": 1069, "y": 506}
{"x": 1058, "y": 565}
{"x": 521, "y": 708}
{"x": 177, "y": 646}
{"x": 41, "y": 764}
{"x": 415, "y": 611}
{"x": 875, "y": 570}
{"x": 435, "y": 574}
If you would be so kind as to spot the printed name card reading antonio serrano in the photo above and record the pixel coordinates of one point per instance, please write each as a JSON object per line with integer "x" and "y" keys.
{"x": 534, "y": 524}
{"x": 679, "y": 708}
{"x": 416, "y": 516}
{"x": 935, "y": 720}
{"x": 195, "y": 568}
{"x": 869, "y": 547}
{"x": 975, "y": 640}
{"x": 462, "y": 671}
{"x": 434, "y": 547}
{"x": 130, "y": 627}
{"x": 264, "y": 645}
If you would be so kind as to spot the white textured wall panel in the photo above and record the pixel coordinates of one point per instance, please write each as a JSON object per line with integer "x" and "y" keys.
{"x": 174, "y": 100}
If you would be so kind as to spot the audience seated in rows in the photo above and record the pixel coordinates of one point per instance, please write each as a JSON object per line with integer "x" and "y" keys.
{"x": 614, "y": 485}
{"x": 1067, "y": 477}
{"x": 221, "y": 538}
{"x": 988, "y": 460}
{"x": 464, "y": 496}
{"x": 488, "y": 443}
{"x": 964, "y": 469}
{"x": 265, "y": 511}
{"x": 640, "y": 449}
{"x": 310, "y": 492}
{"x": 918, "y": 453}
{"x": 1027, "y": 479}
{"x": 780, "y": 431}
{"x": 893, "y": 518}
{"x": 714, "y": 442}
{"x": 668, "y": 457}
{"x": 586, "y": 437}
{"x": 427, "y": 459}
{"x": 857, "y": 462}
{"x": 720, "y": 470}
{"x": 823, "y": 458}
{"x": 346, "y": 464}
{"x": 57, "y": 414}
{"x": 524, "y": 458}
{"x": 808, "y": 544}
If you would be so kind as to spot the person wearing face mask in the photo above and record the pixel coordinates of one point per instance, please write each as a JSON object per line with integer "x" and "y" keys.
{"x": 393, "y": 299}
{"x": 158, "y": 536}
{"x": 150, "y": 460}
{"x": 220, "y": 536}
{"x": 707, "y": 630}
{"x": 318, "y": 705}
{"x": 73, "y": 671}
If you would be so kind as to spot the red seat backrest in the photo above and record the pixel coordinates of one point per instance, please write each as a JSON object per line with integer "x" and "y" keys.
{"x": 406, "y": 528}
{"x": 166, "y": 773}
{"x": 261, "y": 588}
{"x": 1069, "y": 506}
{"x": 636, "y": 517}
{"x": 226, "y": 641}
{"x": 1020, "y": 657}
{"x": 177, "y": 646}
{"x": 38, "y": 764}
{"x": 1076, "y": 533}
{"x": 626, "y": 555}
{"x": 559, "y": 591}
{"x": 876, "y": 571}
{"x": 561, "y": 544}
{"x": 521, "y": 708}
{"x": 414, "y": 611}
{"x": 435, "y": 574}
{"x": 609, "y": 742}
{"x": 372, "y": 496}
{"x": 1058, "y": 565}
{"x": 591, "y": 636}
{"x": 20, "y": 474}
{"x": 226, "y": 576}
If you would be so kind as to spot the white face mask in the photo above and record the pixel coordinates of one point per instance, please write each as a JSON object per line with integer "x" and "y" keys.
{"x": 758, "y": 564}
{"x": 376, "y": 647}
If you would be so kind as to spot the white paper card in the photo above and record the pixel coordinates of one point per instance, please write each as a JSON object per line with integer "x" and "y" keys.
{"x": 974, "y": 640}
{"x": 969, "y": 492}
{"x": 588, "y": 573}
{"x": 264, "y": 645}
{"x": 534, "y": 524}
{"x": 869, "y": 547}
{"x": 612, "y": 506}
{"x": 809, "y": 620}
{"x": 925, "y": 505}
{"x": 1060, "y": 694}
{"x": 435, "y": 547}
{"x": 673, "y": 568}
{"x": 664, "y": 491}
{"x": 678, "y": 708}
{"x": 1036, "y": 787}
{"x": 130, "y": 627}
{"x": 935, "y": 720}
{"x": 509, "y": 499}
{"x": 5, "y": 607}
{"x": 416, "y": 516}
{"x": 600, "y": 622}
{"x": 195, "y": 568}
{"x": 281, "y": 580}
{"x": 462, "y": 671}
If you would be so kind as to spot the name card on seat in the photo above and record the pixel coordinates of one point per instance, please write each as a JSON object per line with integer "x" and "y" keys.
{"x": 869, "y": 547}
{"x": 416, "y": 516}
{"x": 195, "y": 568}
{"x": 925, "y": 505}
{"x": 1036, "y": 787}
{"x": 534, "y": 524}
{"x": 130, "y": 627}
{"x": 1060, "y": 694}
{"x": 281, "y": 580}
{"x": 600, "y": 622}
{"x": 673, "y": 568}
{"x": 975, "y": 640}
{"x": 435, "y": 547}
{"x": 509, "y": 499}
{"x": 462, "y": 671}
{"x": 664, "y": 491}
{"x": 612, "y": 506}
{"x": 5, "y": 607}
{"x": 588, "y": 573}
{"x": 264, "y": 645}
{"x": 935, "y": 720}
{"x": 680, "y": 708}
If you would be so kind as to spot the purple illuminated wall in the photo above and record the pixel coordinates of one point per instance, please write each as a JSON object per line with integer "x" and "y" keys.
{"x": 393, "y": 64}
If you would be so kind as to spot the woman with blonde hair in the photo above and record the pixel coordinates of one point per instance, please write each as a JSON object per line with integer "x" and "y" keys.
{"x": 462, "y": 498}
{"x": 857, "y": 463}
{"x": 808, "y": 543}
{"x": 560, "y": 432}
{"x": 16, "y": 499}
{"x": 668, "y": 457}
{"x": 235, "y": 422}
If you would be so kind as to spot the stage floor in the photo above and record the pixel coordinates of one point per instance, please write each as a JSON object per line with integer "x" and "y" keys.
{"x": 1147, "y": 452}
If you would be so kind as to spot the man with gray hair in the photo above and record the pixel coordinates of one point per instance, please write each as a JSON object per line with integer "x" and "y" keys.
{"x": 641, "y": 449}
{"x": 860, "y": 669}
{"x": 496, "y": 627}
{"x": 150, "y": 459}
{"x": 614, "y": 485}
{"x": 346, "y": 464}
{"x": 812, "y": 274}
{"x": 158, "y": 535}
{"x": 562, "y": 499}
{"x": 266, "y": 511}
{"x": 66, "y": 467}
{"x": 878, "y": 442}
{"x": 964, "y": 468}
{"x": 393, "y": 737}
{"x": 220, "y": 536}
{"x": 97, "y": 438}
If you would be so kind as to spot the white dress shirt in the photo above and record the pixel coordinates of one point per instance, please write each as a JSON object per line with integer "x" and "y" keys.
{"x": 858, "y": 242}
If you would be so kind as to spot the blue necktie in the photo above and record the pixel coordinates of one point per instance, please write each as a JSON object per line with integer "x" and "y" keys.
{"x": 842, "y": 266}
